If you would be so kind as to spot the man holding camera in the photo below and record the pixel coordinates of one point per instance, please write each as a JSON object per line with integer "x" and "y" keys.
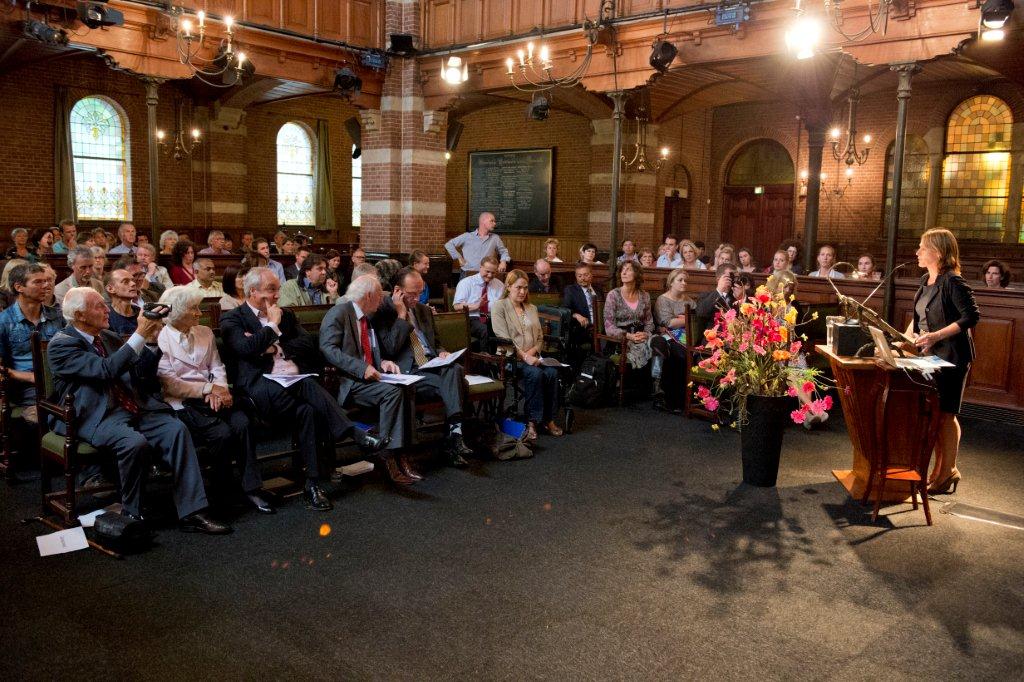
{"x": 710, "y": 302}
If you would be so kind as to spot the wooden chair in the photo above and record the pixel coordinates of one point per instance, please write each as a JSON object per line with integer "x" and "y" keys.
{"x": 920, "y": 435}
{"x": 695, "y": 376}
{"x": 617, "y": 347}
{"x": 67, "y": 452}
{"x": 452, "y": 331}
{"x": 311, "y": 316}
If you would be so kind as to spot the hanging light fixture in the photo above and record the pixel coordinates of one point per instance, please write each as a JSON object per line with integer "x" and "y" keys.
{"x": 639, "y": 161}
{"x": 184, "y": 144}
{"x": 454, "y": 71}
{"x": 804, "y": 34}
{"x": 994, "y": 15}
{"x": 227, "y": 66}
{"x": 847, "y": 151}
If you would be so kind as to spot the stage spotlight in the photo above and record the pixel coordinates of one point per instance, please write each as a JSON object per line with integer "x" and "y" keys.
{"x": 662, "y": 54}
{"x": 45, "y": 33}
{"x": 346, "y": 81}
{"x": 96, "y": 14}
{"x": 538, "y": 109}
{"x": 994, "y": 15}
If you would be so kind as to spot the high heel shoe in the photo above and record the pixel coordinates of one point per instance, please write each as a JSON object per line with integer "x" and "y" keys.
{"x": 943, "y": 487}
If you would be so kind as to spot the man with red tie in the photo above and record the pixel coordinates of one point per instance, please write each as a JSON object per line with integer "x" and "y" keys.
{"x": 477, "y": 294}
{"x": 349, "y": 341}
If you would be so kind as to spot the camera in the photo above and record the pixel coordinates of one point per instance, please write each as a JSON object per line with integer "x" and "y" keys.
{"x": 156, "y": 311}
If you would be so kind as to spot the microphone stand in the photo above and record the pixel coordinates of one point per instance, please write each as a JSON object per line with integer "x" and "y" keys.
{"x": 865, "y": 316}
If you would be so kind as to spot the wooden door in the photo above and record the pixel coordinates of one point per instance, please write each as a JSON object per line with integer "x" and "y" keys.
{"x": 757, "y": 221}
{"x": 677, "y": 217}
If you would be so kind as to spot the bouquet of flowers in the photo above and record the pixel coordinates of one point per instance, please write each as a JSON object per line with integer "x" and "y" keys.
{"x": 755, "y": 351}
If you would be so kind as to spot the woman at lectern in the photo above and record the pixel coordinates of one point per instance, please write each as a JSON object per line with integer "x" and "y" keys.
{"x": 944, "y": 313}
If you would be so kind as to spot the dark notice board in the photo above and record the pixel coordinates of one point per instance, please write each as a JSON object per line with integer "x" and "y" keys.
{"x": 515, "y": 185}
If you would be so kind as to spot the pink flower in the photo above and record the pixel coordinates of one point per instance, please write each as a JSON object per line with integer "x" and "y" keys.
{"x": 794, "y": 347}
{"x": 759, "y": 349}
{"x": 792, "y": 391}
{"x": 797, "y": 416}
{"x": 827, "y": 402}
{"x": 808, "y": 387}
{"x": 730, "y": 315}
{"x": 703, "y": 392}
{"x": 817, "y": 407}
{"x": 710, "y": 404}
{"x": 729, "y": 378}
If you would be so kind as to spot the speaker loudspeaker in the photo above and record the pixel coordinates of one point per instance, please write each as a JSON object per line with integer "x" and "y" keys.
{"x": 454, "y": 133}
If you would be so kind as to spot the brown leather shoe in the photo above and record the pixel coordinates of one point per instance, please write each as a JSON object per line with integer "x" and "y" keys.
{"x": 553, "y": 429}
{"x": 406, "y": 466}
{"x": 395, "y": 472}
{"x": 531, "y": 433}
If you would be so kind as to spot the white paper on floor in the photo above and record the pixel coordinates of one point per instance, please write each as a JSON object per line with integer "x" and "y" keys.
{"x": 70, "y": 540}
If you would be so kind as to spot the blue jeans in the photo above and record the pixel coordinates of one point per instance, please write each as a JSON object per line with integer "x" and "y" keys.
{"x": 540, "y": 391}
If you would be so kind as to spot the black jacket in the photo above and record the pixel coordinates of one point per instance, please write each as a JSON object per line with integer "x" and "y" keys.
{"x": 709, "y": 303}
{"x": 575, "y": 300}
{"x": 246, "y": 342}
{"x": 952, "y": 300}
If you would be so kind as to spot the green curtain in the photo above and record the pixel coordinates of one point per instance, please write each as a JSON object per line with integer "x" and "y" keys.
{"x": 322, "y": 182}
{"x": 63, "y": 164}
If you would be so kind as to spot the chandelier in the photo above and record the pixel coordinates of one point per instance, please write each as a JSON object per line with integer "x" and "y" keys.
{"x": 639, "y": 161}
{"x": 805, "y": 33}
{"x": 847, "y": 151}
{"x": 533, "y": 70}
{"x": 183, "y": 146}
{"x": 228, "y": 65}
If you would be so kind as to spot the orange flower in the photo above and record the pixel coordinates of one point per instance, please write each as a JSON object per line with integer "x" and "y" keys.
{"x": 780, "y": 355}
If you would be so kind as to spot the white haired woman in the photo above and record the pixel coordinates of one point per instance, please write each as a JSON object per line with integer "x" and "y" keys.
{"x": 195, "y": 384}
{"x": 168, "y": 238}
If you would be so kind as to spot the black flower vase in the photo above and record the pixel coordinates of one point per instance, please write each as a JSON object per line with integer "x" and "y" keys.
{"x": 761, "y": 438}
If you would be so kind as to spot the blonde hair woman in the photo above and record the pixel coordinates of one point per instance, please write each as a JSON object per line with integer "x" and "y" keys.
{"x": 513, "y": 317}
{"x": 551, "y": 251}
{"x": 691, "y": 261}
{"x": 944, "y": 313}
{"x": 668, "y": 365}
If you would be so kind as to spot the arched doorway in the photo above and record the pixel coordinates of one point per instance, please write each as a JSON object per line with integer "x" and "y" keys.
{"x": 677, "y": 204}
{"x": 757, "y": 201}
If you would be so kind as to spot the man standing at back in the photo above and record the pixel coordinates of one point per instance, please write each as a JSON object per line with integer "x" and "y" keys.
{"x": 476, "y": 245}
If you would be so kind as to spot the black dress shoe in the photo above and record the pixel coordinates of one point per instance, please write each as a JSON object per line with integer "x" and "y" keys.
{"x": 316, "y": 498}
{"x": 367, "y": 442}
{"x": 261, "y": 503}
{"x": 458, "y": 450}
{"x": 201, "y": 523}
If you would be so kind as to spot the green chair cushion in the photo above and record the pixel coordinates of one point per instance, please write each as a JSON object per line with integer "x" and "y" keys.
{"x": 489, "y": 387}
{"x": 54, "y": 443}
{"x": 17, "y": 411}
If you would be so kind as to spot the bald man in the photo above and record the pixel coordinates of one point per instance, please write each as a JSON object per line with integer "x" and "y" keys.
{"x": 469, "y": 248}
{"x": 542, "y": 282}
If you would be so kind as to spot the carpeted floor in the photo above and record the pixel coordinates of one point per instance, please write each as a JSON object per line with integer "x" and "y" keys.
{"x": 627, "y": 550}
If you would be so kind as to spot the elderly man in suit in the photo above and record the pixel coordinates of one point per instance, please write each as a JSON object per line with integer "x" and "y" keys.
{"x": 267, "y": 339}
{"x": 581, "y": 299}
{"x": 349, "y": 341}
{"x": 413, "y": 342}
{"x": 113, "y": 383}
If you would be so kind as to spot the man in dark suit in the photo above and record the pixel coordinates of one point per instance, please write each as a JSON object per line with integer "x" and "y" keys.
{"x": 711, "y": 302}
{"x": 413, "y": 342}
{"x": 350, "y": 341}
{"x": 292, "y": 271}
{"x": 581, "y": 299}
{"x": 266, "y": 339}
{"x": 117, "y": 407}
{"x": 542, "y": 282}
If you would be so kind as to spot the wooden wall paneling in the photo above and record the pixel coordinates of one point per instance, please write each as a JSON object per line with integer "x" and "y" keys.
{"x": 440, "y": 24}
{"x": 631, "y": 7}
{"x": 223, "y": 8}
{"x": 263, "y": 12}
{"x": 991, "y": 369}
{"x": 497, "y": 18}
{"x": 364, "y": 23}
{"x": 300, "y": 15}
{"x": 527, "y": 15}
{"x": 561, "y": 13}
{"x": 468, "y": 21}
{"x": 330, "y": 19}
{"x": 589, "y": 9}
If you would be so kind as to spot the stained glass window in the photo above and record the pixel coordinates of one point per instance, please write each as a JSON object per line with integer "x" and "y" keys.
{"x": 976, "y": 169}
{"x": 295, "y": 203}
{"x": 914, "y": 195}
{"x": 357, "y": 191}
{"x": 99, "y": 145}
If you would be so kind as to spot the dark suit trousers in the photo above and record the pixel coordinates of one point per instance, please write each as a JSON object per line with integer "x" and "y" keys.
{"x": 444, "y": 384}
{"x": 130, "y": 437}
{"x": 390, "y": 399}
{"x": 479, "y": 332}
{"x": 310, "y": 408}
{"x": 225, "y": 433}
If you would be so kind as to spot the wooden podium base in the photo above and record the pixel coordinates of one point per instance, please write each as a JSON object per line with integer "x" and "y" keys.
{"x": 894, "y": 492}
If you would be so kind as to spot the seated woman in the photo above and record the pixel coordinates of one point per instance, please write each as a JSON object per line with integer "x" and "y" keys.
{"x": 168, "y": 238}
{"x": 21, "y": 248}
{"x": 234, "y": 294}
{"x": 551, "y": 251}
{"x": 792, "y": 248}
{"x": 588, "y": 254}
{"x": 726, "y": 254}
{"x": 669, "y": 346}
{"x": 182, "y": 258}
{"x": 647, "y": 259}
{"x": 99, "y": 262}
{"x": 995, "y": 274}
{"x": 746, "y": 260}
{"x": 628, "y": 249}
{"x": 195, "y": 384}
{"x": 691, "y": 256}
{"x": 866, "y": 268}
{"x": 42, "y": 242}
{"x": 627, "y": 314}
{"x": 514, "y": 317}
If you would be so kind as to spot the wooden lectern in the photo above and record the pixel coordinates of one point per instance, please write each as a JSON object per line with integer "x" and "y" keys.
{"x": 891, "y": 417}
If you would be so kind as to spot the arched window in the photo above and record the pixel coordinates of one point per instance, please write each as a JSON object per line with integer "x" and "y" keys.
{"x": 761, "y": 162}
{"x": 295, "y": 202}
{"x": 357, "y": 190}
{"x": 976, "y": 169}
{"x": 99, "y": 147}
{"x": 914, "y": 196}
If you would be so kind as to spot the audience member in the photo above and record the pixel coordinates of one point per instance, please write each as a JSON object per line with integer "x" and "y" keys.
{"x": 358, "y": 257}
{"x": 182, "y": 259}
{"x": 588, "y": 254}
{"x": 292, "y": 271}
{"x": 627, "y": 314}
{"x": 628, "y": 248}
{"x": 51, "y": 274}
{"x": 386, "y": 271}
{"x": 168, "y": 238}
{"x": 99, "y": 262}
{"x": 155, "y": 274}
{"x": 21, "y": 247}
{"x": 99, "y": 238}
{"x": 742, "y": 288}
{"x": 745, "y": 258}
{"x": 646, "y": 258}
{"x": 146, "y": 292}
{"x": 206, "y": 281}
{"x": 542, "y": 282}
{"x": 701, "y": 256}
{"x": 195, "y": 385}
{"x": 333, "y": 258}
{"x": 115, "y": 408}
{"x": 123, "y": 314}
{"x": 246, "y": 244}
{"x": 551, "y": 251}
{"x": 420, "y": 262}
{"x": 793, "y": 248}
{"x": 234, "y": 288}
{"x": 866, "y": 268}
{"x": 126, "y": 235}
{"x": 267, "y": 339}
{"x": 725, "y": 253}
{"x": 668, "y": 366}
{"x": 68, "y": 237}
{"x": 141, "y": 238}
{"x": 670, "y": 258}
{"x": 7, "y": 294}
{"x": 215, "y": 245}
{"x": 470, "y": 248}
{"x": 476, "y": 294}
{"x": 780, "y": 280}
{"x": 826, "y": 259}
{"x": 28, "y": 313}
{"x": 80, "y": 262}
{"x": 259, "y": 257}
{"x": 413, "y": 342}
{"x": 290, "y": 247}
{"x": 42, "y": 242}
{"x": 711, "y": 302}
{"x": 581, "y": 299}
{"x": 280, "y": 237}
{"x": 691, "y": 256}
{"x": 229, "y": 245}
{"x": 996, "y": 274}
{"x": 515, "y": 319}
{"x": 311, "y": 287}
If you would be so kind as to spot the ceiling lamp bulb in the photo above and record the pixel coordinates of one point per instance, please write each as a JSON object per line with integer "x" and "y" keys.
{"x": 867, "y": 139}
{"x": 664, "y": 152}
{"x": 195, "y": 133}
{"x": 803, "y": 36}
{"x": 993, "y": 35}
{"x": 835, "y": 133}
{"x": 849, "y": 172}
{"x": 995, "y": 14}
{"x": 455, "y": 72}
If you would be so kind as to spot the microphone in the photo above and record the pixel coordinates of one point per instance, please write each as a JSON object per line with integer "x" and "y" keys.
{"x": 868, "y": 316}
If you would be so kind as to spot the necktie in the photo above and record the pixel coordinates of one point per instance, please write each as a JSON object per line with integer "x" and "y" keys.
{"x": 590, "y": 302}
{"x": 484, "y": 306}
{"x": 122, "y": 396}
{"x": 418, "y": 351}
{"x": 364, "y": 339}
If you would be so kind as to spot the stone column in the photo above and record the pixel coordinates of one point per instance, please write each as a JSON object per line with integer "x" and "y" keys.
{"x": 815, "y": 144}
{"x": 224, "y": 203}
{"x": 403, "y": 206}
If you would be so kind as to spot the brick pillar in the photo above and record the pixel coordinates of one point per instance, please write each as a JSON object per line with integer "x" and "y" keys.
{"x": 225, "y": 204}
{"x": 636, "y": 190}
{"x": 403, "y": 205}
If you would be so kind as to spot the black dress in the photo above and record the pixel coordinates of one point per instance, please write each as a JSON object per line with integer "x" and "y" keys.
{"x": 948, "y": 300}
